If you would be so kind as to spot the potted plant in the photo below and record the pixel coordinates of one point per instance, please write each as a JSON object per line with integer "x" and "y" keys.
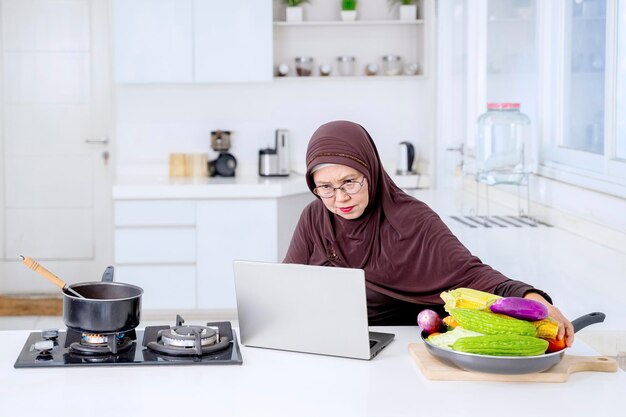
{"x": 408, "y": 8}
{"x": 348, "y": 9}
{"x": 294, "y": 10}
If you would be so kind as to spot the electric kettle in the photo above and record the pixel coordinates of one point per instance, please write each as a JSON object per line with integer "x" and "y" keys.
{"x": 406, "y": 157}
{"x": 274, "y": 162}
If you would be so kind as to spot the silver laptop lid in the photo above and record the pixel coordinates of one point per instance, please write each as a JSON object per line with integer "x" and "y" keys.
{"x": 302, "y": 308}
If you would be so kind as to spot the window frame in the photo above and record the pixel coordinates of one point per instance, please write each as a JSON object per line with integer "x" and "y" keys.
{"x": 602, "y": 172}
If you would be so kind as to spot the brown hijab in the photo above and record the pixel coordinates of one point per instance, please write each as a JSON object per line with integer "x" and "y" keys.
{"x": 406, "y": 250}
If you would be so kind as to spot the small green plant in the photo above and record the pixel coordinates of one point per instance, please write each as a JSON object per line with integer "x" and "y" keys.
{"x": 295, "y": 3}
{"x": 348, "y": 4}
{"x": 402, "y": 2}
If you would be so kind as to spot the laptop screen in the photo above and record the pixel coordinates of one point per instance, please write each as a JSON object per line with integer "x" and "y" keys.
{"x": 302, "y": 308}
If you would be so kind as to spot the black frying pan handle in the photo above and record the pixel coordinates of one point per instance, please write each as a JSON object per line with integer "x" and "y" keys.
{"x": 588, "y": 319}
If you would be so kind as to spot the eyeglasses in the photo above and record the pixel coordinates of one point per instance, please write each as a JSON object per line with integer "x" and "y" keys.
{"x": 349, "y": 187}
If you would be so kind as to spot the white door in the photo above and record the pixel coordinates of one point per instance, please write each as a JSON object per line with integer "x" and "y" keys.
{"x": 55, "y": 193}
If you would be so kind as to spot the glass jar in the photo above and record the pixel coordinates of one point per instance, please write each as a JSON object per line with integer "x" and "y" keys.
{"x": 282, "y": 70}
{"x": 345, "y": 65}
{"x": 503, "y": 133}
{"x": 304, "y": 66}
{"x": 371, "y": 69}
{"x": 325, "y": 70}
{"x": 392, "y": 64}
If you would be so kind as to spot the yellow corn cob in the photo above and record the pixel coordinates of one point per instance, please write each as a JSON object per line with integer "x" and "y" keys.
{"x": 467, "y": 298}
{"x": 547, "y": 328}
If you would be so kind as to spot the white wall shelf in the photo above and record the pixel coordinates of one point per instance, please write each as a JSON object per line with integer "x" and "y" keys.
{"x": 366, "y": 40}
{"x": 340, "y": 78}
{"x": 352, "y": 23}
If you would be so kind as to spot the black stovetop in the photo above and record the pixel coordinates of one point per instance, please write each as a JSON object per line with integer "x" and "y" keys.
{"x": 137, "y": 354}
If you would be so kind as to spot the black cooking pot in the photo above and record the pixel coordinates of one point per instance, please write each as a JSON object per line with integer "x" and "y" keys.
{"x": 108, "y": 307}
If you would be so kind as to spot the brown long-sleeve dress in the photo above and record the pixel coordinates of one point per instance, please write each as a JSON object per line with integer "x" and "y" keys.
{"x": 407, "y": 252}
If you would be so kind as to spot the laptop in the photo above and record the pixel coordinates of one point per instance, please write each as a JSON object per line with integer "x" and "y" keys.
{"x": 303, "y": 308}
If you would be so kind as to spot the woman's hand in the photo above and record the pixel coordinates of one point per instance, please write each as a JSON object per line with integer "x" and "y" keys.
{"x": 565, "y": 326}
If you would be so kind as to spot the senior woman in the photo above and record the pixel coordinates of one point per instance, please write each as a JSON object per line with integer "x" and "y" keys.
{"x": 361, "y": 219}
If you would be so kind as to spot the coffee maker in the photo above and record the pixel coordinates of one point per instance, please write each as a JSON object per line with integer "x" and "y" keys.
{"x": 274, "y": 162}
{"x": 225, "y": 164}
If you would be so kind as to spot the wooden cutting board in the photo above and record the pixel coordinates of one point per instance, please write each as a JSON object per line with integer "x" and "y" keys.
{"x": 434, "y": 369}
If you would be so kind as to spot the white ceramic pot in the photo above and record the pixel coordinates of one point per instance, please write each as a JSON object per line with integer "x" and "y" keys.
{"x": 408, "y": 12}
{"x": 294, "y": 14}
{"x": 348, "y": 15}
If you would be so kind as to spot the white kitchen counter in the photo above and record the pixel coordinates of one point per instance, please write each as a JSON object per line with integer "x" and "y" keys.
{"x": 209, "y": 188}
{"x": 276, "y": 383}
{"x": 192, "y": 229}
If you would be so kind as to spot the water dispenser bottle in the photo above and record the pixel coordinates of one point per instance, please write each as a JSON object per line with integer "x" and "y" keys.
{"x": 503, "y": 132}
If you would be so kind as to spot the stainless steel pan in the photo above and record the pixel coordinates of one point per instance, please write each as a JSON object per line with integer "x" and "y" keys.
{"x": 507, "y": 365}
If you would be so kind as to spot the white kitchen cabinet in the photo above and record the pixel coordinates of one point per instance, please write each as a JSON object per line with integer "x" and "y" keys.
{"x": 155, "y": 213}
{"x": 256, "y": 230}
{"x": 155, "y": 248}
{"x": 166, "y": 287}
{"x": 229, "y": 230}
{"x": 232, "y": 40}
{"x": 155, "y": 245}
{"x": 180, "y": 251}
{"x": 153, "y": 41}
{"x": 186, "y": 41}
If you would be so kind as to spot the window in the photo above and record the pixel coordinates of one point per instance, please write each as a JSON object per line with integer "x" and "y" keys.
{"x": 620, "y": 114}
{"x": 584, "y": 94}
{"x": 584, "y": 76}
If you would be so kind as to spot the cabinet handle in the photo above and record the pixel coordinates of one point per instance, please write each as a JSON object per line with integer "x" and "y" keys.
{"x": 102, "y": 141}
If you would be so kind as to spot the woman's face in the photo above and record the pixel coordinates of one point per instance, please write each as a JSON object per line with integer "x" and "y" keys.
{"x": 348, "y": 206}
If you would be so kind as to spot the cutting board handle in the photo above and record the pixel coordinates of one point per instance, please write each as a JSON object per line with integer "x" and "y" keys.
{"x": 433, "y": 368}
{"x": 589, "y": 363}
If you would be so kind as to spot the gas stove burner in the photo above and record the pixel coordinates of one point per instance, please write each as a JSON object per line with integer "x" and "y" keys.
{"x": 94, "y": 339}
{"x": 94, "y": 344}
{"x": 189, "y": 340}
{"x": 185, "y": 336}
{"x": 75, "y": 347}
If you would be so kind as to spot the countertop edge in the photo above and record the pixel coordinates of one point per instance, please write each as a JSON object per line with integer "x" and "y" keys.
{"x": 240, "y": 188}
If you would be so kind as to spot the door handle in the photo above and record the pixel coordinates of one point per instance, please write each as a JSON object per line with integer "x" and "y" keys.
{"x": 459, "y": 149}
{"x": 102, "y": 141}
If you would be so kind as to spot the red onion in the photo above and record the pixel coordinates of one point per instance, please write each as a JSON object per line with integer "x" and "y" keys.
{"x": 429, "y": 321}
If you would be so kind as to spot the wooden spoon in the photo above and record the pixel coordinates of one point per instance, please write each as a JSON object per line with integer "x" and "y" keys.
{"x": 34, "y": 265}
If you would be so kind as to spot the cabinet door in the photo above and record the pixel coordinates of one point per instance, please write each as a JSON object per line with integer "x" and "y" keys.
{"x": 152, "y": 41}
{"x": 233, "y": 40}
{"x": 154, "y": 245}
{"x": 166, "y": 287}
{"x": 229, "y": 230}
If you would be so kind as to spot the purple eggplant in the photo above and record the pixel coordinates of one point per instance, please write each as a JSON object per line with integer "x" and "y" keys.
{"x": 520, "y": 308}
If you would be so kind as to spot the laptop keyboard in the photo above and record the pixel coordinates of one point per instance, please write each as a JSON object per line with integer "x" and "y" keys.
{"x": 373, "y": 342}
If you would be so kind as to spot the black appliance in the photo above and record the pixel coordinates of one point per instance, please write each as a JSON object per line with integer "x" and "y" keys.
{"x": 406, "y": 156}
{"x": 225, "y": 164}
{"x": 213, "y": 344}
